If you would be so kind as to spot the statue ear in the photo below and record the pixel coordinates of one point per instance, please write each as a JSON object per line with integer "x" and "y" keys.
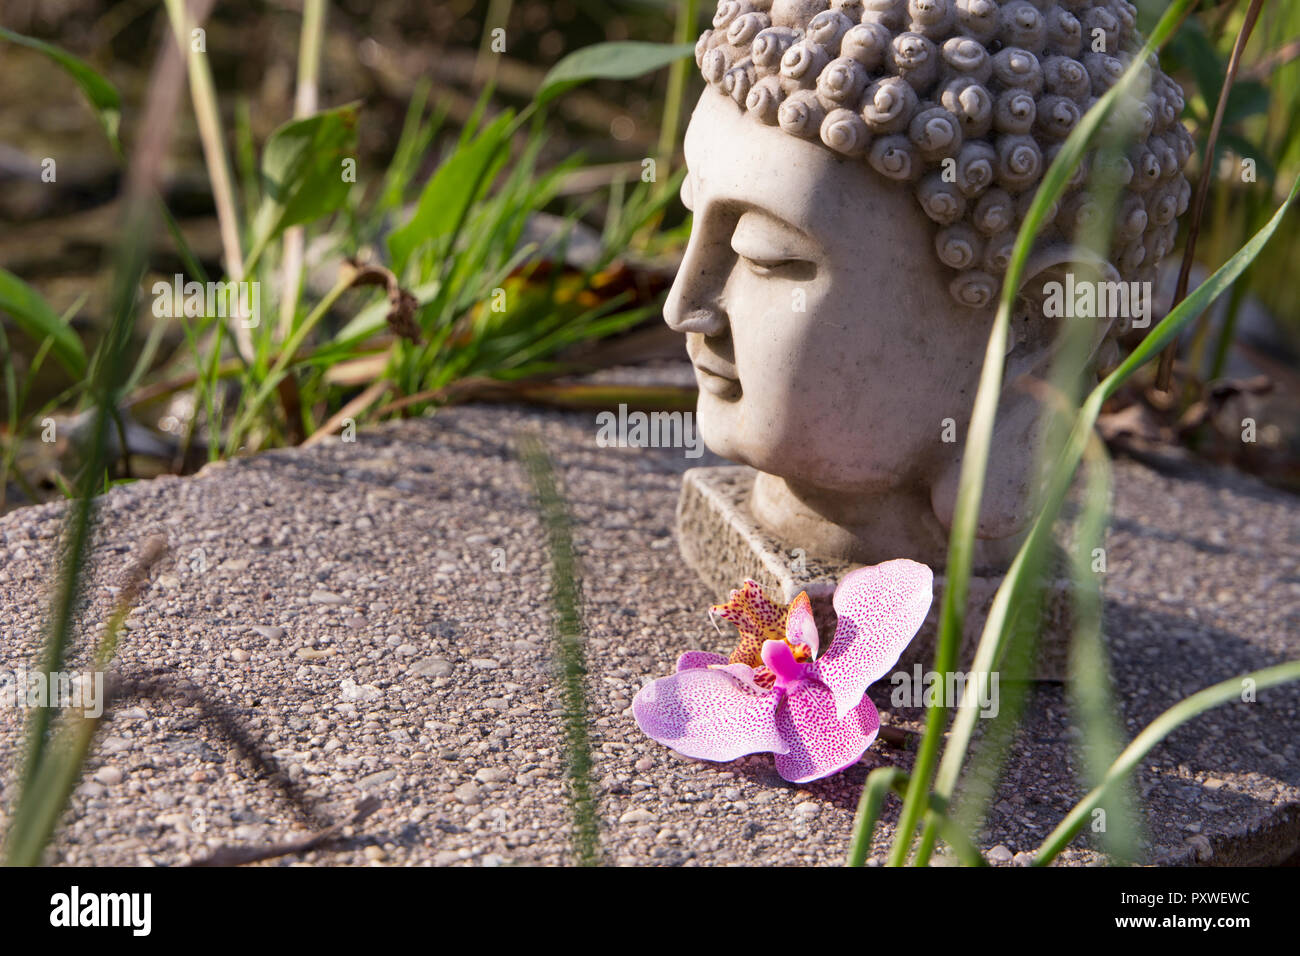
{"x": 1051, "y": 275}
{"x": 1032, "y": 342}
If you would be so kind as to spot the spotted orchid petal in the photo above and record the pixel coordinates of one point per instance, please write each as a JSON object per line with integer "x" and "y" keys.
{"x": 756, "y": 616}
{"x": 695, "y": 659}
{"x": 710, "y": 713}
{"x": 880, "y": 609}
{"x": 799, "y": 625}
{"x": 820, "y": 740}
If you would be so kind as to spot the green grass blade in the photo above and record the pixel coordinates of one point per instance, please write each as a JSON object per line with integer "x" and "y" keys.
{"x": 451, "y": 191}
{"x": 46, "y": 795}
{"x": 1196, "y": 302}
{"x": 1090, "y": 691}
{"x": 879, "y": 783}
{"x": 101, "y": 94}
{"x": 1151, "y": 735}
{"x": 35, "y": 317}
{"x": 993, "y": 637}
{"x": 684, "y": 30}
{"x": 107, "y": 372}
{"x": 980, "y": 432}
{"x": 566, "y": 601}
{"x": 623, "y": 60}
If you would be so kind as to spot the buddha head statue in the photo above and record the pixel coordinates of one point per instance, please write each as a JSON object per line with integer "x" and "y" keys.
{"x": 858, "y": 171}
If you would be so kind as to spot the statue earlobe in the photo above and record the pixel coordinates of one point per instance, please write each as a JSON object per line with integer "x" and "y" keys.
{"x": 1006, "y": 506}
{"x": 1009, "y": 489}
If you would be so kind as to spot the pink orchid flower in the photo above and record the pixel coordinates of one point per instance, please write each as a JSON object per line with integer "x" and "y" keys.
{"x": 775, "y": 694}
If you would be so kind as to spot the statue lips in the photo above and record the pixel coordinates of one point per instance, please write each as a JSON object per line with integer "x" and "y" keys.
{"x": 717, "y": 385}
{"x": 715, "y": 376}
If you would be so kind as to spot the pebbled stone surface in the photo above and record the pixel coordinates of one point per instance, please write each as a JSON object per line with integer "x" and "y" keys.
{"x": 374, "y": 615}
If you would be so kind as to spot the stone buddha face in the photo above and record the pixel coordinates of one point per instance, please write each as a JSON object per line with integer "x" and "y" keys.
{"x": 824, "y": 339}
{"x": 839, "y": 284}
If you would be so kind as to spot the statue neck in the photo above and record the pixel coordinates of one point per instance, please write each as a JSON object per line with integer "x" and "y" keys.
{"x": 867, "y": 528}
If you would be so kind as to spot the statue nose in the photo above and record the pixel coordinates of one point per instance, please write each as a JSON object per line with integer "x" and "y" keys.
{"x": 705, "y": 320}
{"x": 694, "y": 302}
{"x": 691, "y": 307}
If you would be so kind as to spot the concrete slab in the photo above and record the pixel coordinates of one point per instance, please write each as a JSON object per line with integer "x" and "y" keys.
{"x": 344, "y": 607}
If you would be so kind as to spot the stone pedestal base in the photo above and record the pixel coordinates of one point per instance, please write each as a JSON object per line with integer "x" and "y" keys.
{"x": 720, "y": 539}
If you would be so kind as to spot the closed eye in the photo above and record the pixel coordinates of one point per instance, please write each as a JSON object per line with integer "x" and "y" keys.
{"x": 794, "y": 270}
{"x": 768, "y": 248}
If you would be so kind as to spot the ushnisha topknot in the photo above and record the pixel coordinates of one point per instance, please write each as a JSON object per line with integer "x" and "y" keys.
{"x": 992, "y": 87}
